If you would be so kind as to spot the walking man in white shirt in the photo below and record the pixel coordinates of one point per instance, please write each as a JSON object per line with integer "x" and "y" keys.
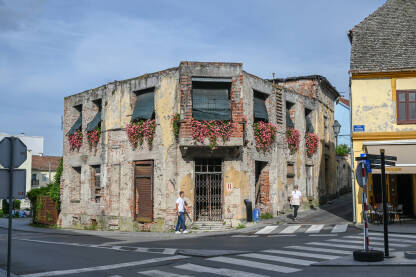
{"x": 295, "y": 201}
{"x": 180, "y": 211}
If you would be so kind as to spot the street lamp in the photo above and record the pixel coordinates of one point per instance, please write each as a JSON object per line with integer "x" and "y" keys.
{"x": 337, "y": 129}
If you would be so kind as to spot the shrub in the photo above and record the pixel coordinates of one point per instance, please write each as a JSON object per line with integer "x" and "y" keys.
{"x": 240, "y": 226}
{"x": 5, "y": 206}
{"x": 342, "y": 150}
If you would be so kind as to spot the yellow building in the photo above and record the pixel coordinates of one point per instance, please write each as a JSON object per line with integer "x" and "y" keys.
{"x": 383, "y": 94}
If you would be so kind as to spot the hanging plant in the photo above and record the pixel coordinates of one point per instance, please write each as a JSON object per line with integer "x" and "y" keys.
{"x": 212, "y": 130}
{"x": 94, "y": 136}
{"x": 176, "y": 124}
{"x": 75, "y": 140}
{"x": 138, "y": 131}
{"x": 265, "y": 135}
{"x": 293, "y": 139}
{"x": 312, "y": 142}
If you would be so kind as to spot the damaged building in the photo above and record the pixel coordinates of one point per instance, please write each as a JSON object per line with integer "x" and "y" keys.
{"x": 211, "y": 130}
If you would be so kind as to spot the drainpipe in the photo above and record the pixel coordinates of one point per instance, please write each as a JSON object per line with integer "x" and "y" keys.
{"x": 352, "y": 157}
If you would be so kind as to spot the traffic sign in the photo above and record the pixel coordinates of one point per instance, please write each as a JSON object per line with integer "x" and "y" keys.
{"x": 362, "y": 180}
{"x": 19, "y": 183}
{"x": 19, "y": 152}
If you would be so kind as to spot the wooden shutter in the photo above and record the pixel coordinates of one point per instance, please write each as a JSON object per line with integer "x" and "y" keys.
{"x": 144, "y": 191}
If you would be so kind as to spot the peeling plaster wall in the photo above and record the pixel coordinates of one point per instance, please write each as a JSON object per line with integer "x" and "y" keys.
{"x": 374, "y": 105}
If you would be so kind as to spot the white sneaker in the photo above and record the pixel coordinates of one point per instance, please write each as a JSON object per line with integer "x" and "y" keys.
{"x": 177, "y": 232}
{"x": 185, "y": 232}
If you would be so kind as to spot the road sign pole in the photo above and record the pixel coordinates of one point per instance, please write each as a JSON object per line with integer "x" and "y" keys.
{"x": 366, "y": 241}
{"x": 9, "y": 243}
{"x": 385, "y": 211}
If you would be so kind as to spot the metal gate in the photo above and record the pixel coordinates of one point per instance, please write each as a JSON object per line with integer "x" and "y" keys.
{"x": 208, "y": 190}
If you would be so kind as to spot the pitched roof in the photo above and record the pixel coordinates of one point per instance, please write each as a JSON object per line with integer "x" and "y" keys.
{"x": 42, "y": 162}
{"x": 344, "y": 101}
{"x": 386, "y": 39}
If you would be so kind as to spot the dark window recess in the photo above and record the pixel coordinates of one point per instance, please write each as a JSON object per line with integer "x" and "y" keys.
{"x": 211, "y": 101}
{"x": 96, "y": 182}
{"x": 406, "y": 107}
{"x": 35, "y": 181}
{"x": 309, "y": 125}
{"x": 258, "y": 167}
{"x": 96, "y": 121}
{"x": 260, "y": 110}
{"x": 144, "y": 191}
{"x": 145, "y": 105}
{"x": 78, "y": 124}
{"x": 289, "y": 122}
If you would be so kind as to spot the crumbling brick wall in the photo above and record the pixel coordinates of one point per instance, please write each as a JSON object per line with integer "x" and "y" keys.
{"x": 46, "y": 211}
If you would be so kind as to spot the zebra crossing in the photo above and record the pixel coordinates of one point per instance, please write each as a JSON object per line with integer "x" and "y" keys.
{"x": 272, "y": 262}
{"x": 311, "y": 229}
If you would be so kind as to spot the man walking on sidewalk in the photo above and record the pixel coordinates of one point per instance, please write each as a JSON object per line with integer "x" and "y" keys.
{"x": 295, "y": 201}
{"x": 180, "y": 211}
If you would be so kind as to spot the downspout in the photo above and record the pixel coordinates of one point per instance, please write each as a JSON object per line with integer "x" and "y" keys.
{"x": 352, "y": 157}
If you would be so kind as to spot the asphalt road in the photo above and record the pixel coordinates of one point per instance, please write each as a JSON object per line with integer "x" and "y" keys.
{"x": 271, "y": 254}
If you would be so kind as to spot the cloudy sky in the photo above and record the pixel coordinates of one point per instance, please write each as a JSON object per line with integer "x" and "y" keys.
{"x": 52, "y": 49}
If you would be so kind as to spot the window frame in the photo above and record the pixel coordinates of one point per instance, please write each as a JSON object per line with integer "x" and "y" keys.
{"x": 262, "y": 96}
{"x": 407, "y": 108}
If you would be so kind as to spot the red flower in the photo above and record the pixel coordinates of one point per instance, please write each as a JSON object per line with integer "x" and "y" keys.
{"x": 212, "y": 130}
{"x": 312, "y": 142}
{"x": 75, "y": 140}
{"x": 292, "y": 139}
{"x": 265, "y": 134}
{"x": 138, "y": 131}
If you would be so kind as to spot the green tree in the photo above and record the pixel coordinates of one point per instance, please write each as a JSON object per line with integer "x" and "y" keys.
{"x": 342, "y": 150}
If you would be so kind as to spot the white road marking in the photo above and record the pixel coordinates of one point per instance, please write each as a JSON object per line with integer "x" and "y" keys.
{"x": 323, "y": 235}
{"x": 371, "y": 243}
{"x": 159, "y": 273}
{"x": 339, "y": 228}
{"x": 279, "y": 235}
{"x": 315, "y": 228}
{"x": 317, "y": 249}
{"x": 252, "y": 264}
{"x": 267, "y": 230}
{"x": 104, "y": 267}
{"x": 394, "y": 235}
{"x": 382, "y": 239}
{"x": 219, "y": 271}
{"x": 337, "y": 245}
{"x": 244, "y": 236}
{"x": 302, "y": 254}
{"x": 169, "y": 251}
{"x": 290, "y": 229}
{"x": 279, "y": 259}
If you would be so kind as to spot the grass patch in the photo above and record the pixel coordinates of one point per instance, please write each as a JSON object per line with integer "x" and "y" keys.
{"x": 266, "y": 216}
{"x": 241, "y": 226}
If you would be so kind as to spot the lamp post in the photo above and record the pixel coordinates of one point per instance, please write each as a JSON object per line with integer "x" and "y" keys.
{"x": 337, "y": 129}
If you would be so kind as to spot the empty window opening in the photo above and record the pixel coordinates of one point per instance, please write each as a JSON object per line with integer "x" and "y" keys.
{"x": 289, "y": 108}
{"x": 145, "y": 105}
{"x": 211, "y": 99}
{"x": 259, "y": 107}
{"x": 261, "y": 182}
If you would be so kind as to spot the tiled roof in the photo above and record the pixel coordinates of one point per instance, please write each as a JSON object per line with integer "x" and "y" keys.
{"x": 344, "y": 101}
{"x": 385, "y": 40}
{"x": 42, "y": 162}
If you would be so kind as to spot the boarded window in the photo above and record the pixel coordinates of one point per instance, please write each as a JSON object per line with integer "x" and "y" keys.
{"x": 75, "y": 193}
{"x": 78, "y": 123}
{"x": 210, "y": 100}
{"x": 96, "y": 182}
{"x": 145, "y": 105}
{"x": 144, "y": 191}
{"x": 259, "y": 106}
{"x": 308, "y": 121}
{"x": 96, "y": 121}
{"x": 406, "y": 107}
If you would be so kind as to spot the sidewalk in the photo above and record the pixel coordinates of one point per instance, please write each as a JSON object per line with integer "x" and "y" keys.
{"x": 403, "y": 228}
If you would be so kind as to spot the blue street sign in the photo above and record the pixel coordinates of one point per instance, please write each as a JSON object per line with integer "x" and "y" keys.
{"x": 359, "y": 128}
{"x": 367, "y": 162}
